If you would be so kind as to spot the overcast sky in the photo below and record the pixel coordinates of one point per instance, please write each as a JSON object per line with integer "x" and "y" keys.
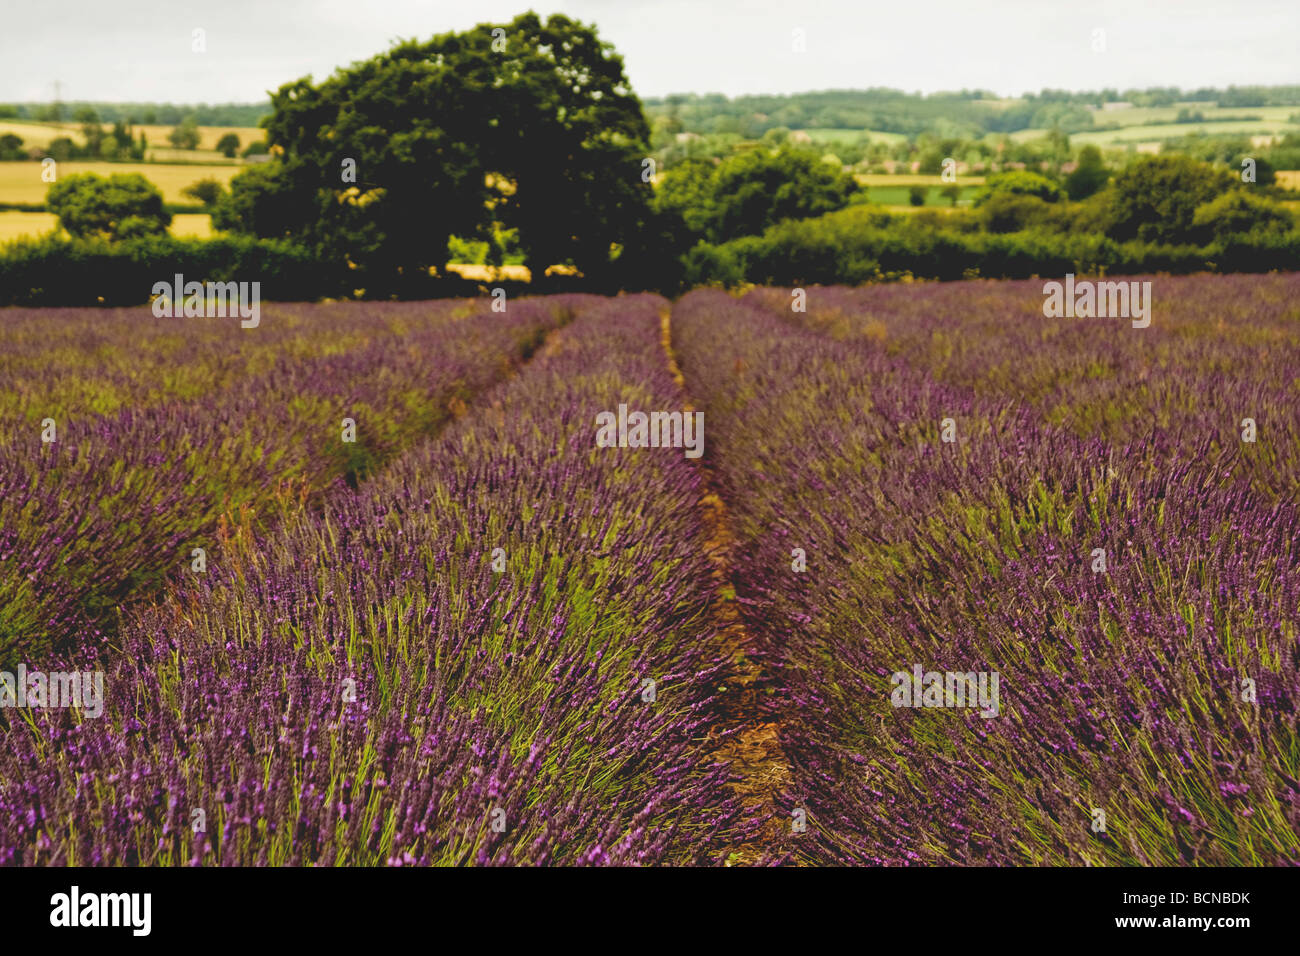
{"x": 140, "y": 50}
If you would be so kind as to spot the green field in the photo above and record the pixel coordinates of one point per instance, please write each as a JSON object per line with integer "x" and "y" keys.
{"x": 913, "y": 179}
{"x": 1151, "y": 124}
{"x": 1164, "y": 131}
{"x": 898, "y": 196}
{"x": 1139, "y": 124}
{"x": 827, "y": 135}
{"x": 1162, "y": 115}
{"x": 22, "y": 183}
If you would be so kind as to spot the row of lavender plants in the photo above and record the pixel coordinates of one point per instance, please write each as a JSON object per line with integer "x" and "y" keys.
{"x": 1133, "y": 593}
{"x": 126, "y": 441}
{"x": 1219, "y": 349}
{"x": 498, "y": 650}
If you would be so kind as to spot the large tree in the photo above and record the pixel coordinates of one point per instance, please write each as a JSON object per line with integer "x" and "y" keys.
{"x": 529, "y": 124}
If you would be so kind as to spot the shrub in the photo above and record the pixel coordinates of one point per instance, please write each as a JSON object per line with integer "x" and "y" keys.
{"x": 122, "y": 206}
{"x": 1156, "y": 197}
{"x": 860, "y": 245}
{"x": 1089, "y": 176}
{"x": 706, "y": 264}
{"x": 228, "y": 145}
{"x": 55, "y": 271}
{"x": 1239, "y": 213}
{"x": 185, "y": 136}
{"x": 1012, "y": 212}
{"x": 207, "y": 191}
{"x": 750, "y": 191}
{"x": 1020, "y": 182}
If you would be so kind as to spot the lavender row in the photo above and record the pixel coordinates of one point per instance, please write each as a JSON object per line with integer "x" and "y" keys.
{"x": 1137, "y": 609}
{"x": 96, "y": 507}
{"x": 1219, "y": 350}
{"x": 498, "y": 651}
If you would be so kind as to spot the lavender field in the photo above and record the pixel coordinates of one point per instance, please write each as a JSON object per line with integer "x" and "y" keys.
{"x": 476, "y": 632}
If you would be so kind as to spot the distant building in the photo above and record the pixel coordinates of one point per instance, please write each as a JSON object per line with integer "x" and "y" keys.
{"x": 1117, "y": 105}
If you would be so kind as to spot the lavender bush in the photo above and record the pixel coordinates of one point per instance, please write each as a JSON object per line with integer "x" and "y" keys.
{"x": 477, "y": 637}
{"x": 1121, "y": 691}
{"x": 184, "y": 425}
{"x": 499, "y": 716}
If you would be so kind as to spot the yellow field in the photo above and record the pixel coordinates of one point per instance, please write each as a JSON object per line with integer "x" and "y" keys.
{"x": 17, "y": 225}
{"x": 195, "y": 224}
{"x": 40, "y": 134}
{"x": 21, "y": 182}
{"x": 487, "y": 274}
{"x": 169, "y": 154}
{"x": 1289, "y": 178}
{"x": 208, "y": 135}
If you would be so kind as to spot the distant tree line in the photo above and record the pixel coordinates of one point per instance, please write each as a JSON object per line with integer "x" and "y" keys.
{"x": 1158, "y": 213}
{"x": 524, "y": 142}
{"x": 116, "y": 143}
{"x": 964, "y": 113}
{"x": 148, "y": 114}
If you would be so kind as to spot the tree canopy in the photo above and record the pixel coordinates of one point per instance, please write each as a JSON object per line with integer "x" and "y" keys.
{"x": 530, "y": 125}
{"x": 751, "y": 190}
{"x": 1089, "y": 176}
{"x": 122, "y": 206}
{"x": 1156, "y": 197}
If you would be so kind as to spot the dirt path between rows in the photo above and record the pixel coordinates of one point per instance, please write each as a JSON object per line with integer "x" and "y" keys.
{"x": 752, "y": 748}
